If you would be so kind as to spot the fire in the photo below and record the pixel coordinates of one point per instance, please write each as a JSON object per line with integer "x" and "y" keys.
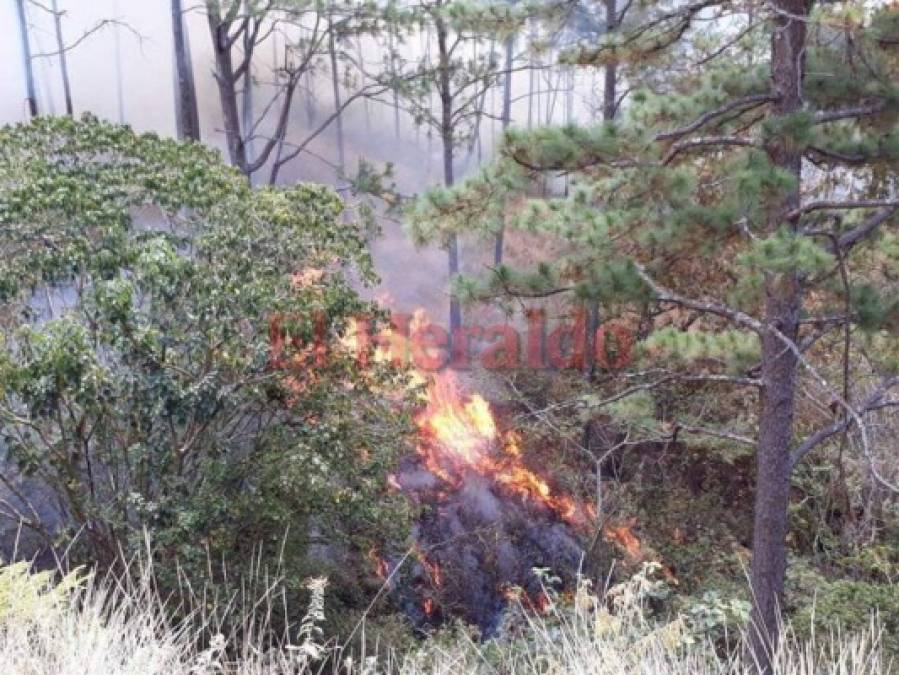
{"x": 382, "y": 569}
{"x": 515, "y": 595}
{"x": 624, "y": 538}
{"x": 459, "y": 434}
{"x": 433, "y": 569}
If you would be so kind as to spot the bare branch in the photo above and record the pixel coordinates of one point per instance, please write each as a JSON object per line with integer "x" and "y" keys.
{"x": 90, "y": 31}
{"x": 874, "y": 402}
{"x": 716, "y": 433}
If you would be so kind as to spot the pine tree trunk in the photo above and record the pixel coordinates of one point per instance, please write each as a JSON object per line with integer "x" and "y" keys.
{"x": 187, "y": 116}
{"x": 444, "y": 86}
{"x": 531, "y": 79}
{"x": 31, "y": 95}
{"x": 610, "y": 73}
{"x": 119, "y": 80}
{"x": 396, "y": 94}
{"x": 783, "y": 303}
{"x": 335, "y": 87}
{"x": 63, "y": 60}
{"x": 506, "y": 118}
{"x": 609, "y": 108}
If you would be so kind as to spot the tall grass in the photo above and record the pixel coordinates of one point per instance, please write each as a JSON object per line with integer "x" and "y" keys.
{"x": 88, "y": 625}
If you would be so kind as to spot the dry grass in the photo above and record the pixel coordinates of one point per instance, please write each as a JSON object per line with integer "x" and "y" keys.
{"x": 103, "y": 626}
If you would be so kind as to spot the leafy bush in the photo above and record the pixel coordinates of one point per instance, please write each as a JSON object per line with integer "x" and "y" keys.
{"x": 171, "y": 358}
{"x": 845, "y": 604}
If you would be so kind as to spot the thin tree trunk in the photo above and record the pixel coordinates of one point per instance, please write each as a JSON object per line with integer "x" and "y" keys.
{"x": 63, "y": 60}
{"x": 610, "y": 73}
{"x": 31, "y": 95}
{"x": 448, "y": 140}
{"x": 392, "y": 66}
{"x": 783, "y": 304}
{"x": 246, "y": 113}
{"x": 187, "y": 116}
{"x": 609, "y": 95}
{"x": 506, "y": 118}
{"x": 225, "y": 80}
{"x": 119, "y": 80}
{"x": 310, "y": 98}
{"x": 335, "y": 86}
{"x": 531, "y": 77}
{"x": 366, "y": 103}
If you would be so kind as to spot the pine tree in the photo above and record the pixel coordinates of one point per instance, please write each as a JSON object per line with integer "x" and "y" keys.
{"x": 187, "y": 116}
{"x": 28, "y": 67}
{"x": 459, "y": 75}
{"x": 745, "y": 195}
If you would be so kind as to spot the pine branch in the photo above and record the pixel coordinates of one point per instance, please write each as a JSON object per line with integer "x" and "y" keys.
{"x": 848, "y": 240}
{"x": 707, "y": 141}
{"x": 825, "y": 116}
{"x": 716, "y": 433}
{"x": 746, "y": 103}
{"x": 833, "y": 156}
{"x": 704, "y": 306}
{"x": 824, "y": 204}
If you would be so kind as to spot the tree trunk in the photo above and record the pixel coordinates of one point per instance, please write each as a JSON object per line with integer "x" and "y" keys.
{"x": 391, "y": 47}
{"x": 506, "y": 118}
{"x": 31, "y": 95}
{"x": 63, "y": 60}
{"x": 609, "y": 108}
{"x": 335, "y": 87}
{"x": 531, "y": 79}
{"x": 226, "y": 82}
{"x": 187, "y": 116}
{"x": 119, "y": 80}
{"x": 610, "y": 73}
{"x": 246, "y": 115}
{"x": 783, "y": 303}
{"x": 447, "y": 137}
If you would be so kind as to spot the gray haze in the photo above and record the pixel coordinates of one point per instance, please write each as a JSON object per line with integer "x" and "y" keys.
{"x": 124, "y": 72}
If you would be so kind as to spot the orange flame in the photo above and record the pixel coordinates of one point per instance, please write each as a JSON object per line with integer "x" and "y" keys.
{"x": 624, "y": 538}
{"x": 433, "y": 569}
{"x": 459, "y": 434}
{"x": 516, "y": 595}
{"x": 382, "y": 569}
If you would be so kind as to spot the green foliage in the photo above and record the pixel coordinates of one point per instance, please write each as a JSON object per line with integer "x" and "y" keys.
{"x": 733, "y": 347}
{"x": 189, "y": 379}
{"x": 844, "y": 603}
{"x": 715, "y": 618}
{"x": 786, "y": 250}
{"x": 635, "y": 412}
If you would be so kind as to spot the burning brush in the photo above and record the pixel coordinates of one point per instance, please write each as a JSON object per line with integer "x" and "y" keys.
{"x": 488, "y": 519}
